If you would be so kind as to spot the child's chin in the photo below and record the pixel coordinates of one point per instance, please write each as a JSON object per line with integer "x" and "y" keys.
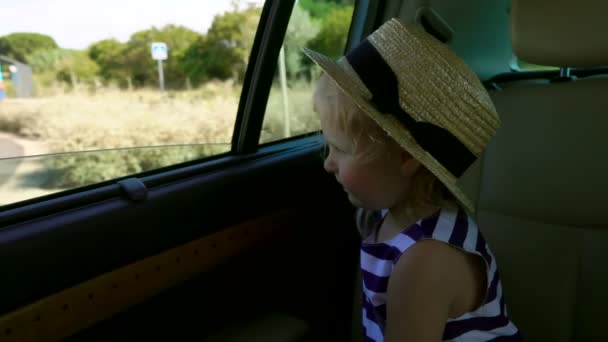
{"x": 360, "y": 204}
{"x": 355, "y": 201}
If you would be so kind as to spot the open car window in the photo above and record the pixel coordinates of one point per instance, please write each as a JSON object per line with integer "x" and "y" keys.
{"x": 102, "y": 102}
{"x": 319, "y": 25}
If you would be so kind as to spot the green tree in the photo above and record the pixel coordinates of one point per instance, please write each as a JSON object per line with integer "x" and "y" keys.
{"x": 61, "y": 65}
{"x": 320, "y": 9}
{"x": 46, "y": 60}
{"x": 109, "y": 54}
{"x": 20, "y": 45}
{"x": 300, "y": 31}
{"x": 76, "y": 66}
{"x": 331, "y": 40}
{"x": 137, "y": 58}
{"x": 224, "y": 51}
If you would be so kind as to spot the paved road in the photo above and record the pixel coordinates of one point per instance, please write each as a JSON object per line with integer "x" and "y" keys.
{"x": 9, "y": 149}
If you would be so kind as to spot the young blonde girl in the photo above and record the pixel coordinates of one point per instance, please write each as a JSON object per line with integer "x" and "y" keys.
{"x": 403, "y": 119}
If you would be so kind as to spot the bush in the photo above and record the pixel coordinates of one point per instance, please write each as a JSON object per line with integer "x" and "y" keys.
{"x": 80, "y": 169}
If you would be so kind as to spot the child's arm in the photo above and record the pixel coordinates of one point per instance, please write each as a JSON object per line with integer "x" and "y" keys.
{"x": 421, "y": 291}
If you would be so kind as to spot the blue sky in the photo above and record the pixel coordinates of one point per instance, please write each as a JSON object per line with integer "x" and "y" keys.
{"x": 75, "y": 24}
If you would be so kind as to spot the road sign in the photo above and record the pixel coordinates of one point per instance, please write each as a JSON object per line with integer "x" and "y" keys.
{"x": 159, "y": 51}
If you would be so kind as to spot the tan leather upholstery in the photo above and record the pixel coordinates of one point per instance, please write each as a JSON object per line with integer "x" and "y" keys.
{"x": 543, "y": 198}
{"x": 560, "y": 32}
{"x": 552, "y": 143}
{"x": 543, "y": 206}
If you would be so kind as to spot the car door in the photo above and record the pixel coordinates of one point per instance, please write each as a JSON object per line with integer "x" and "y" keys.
{"x": 257, "y": 233}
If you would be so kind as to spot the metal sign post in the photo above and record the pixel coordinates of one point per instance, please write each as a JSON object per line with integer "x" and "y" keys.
{"x": 161, "y": 76}
{"x": 159, "y": 53}
{"x": 1, "y": 84}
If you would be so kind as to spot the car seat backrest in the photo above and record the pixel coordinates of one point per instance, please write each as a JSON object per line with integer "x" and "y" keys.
{"x": 543, "y": 192}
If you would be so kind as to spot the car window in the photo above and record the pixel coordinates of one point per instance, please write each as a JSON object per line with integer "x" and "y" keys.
{"x": 521, "y": 65}
{"x": 104, "y": 94}
{"x": 321, "y": 25}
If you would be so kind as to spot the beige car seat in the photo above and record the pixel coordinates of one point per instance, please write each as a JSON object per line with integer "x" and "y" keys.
{"x": 543, "y": 199}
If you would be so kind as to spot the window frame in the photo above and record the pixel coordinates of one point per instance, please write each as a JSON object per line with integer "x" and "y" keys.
{"x": 258, "y": 77}
{"x": 363, "y": 21}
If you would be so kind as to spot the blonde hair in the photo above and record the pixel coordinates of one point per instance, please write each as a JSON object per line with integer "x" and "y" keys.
{"x": 426, "y": 190}
{"x": 347, "y": 117}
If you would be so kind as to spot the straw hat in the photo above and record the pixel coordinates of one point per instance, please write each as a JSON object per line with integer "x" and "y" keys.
{"x": 422, "y": 95}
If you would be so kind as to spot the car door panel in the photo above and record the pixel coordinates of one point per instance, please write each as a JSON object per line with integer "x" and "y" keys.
{"x": 93, "y": 243}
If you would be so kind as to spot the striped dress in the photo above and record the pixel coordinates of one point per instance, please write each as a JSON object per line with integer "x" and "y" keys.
{"x": 489, "y": 322}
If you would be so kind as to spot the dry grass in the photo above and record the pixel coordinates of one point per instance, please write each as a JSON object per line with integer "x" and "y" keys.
{"x": 113, "y": 119}
{"x": 110, "y": 119}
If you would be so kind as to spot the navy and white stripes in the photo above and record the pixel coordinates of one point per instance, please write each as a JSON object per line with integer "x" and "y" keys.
{"x": 489, "y": 322}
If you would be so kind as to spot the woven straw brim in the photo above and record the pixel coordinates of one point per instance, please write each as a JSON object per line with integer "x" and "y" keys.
{"x": 348, "y": 81}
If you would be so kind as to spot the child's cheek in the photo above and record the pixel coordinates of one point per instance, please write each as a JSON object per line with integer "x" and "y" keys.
{"x": 350, "y": 180}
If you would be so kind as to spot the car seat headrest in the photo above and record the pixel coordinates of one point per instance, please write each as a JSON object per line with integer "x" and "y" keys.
{"x": 562, "y": 33}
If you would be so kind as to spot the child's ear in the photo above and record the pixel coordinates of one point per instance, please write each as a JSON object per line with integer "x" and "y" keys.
{"x": 409, "y": 165}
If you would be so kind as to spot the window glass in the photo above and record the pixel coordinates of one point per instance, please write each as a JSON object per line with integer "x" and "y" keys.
{"x": 95, "y": 90}
{"x": 321, "y": 25}
{"x": 521, "y": 65}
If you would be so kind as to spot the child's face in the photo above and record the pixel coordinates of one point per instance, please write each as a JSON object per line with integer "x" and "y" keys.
{"x": 376, "y": 184}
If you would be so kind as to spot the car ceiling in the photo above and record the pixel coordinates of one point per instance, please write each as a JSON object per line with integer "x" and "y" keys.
{"x": 480, "y": 29}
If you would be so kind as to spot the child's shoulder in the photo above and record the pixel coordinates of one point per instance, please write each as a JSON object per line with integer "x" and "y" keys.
{"x": 428, "y": 265}
{"x": 450, "y": 225}
{"x": 441, "y": 221}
